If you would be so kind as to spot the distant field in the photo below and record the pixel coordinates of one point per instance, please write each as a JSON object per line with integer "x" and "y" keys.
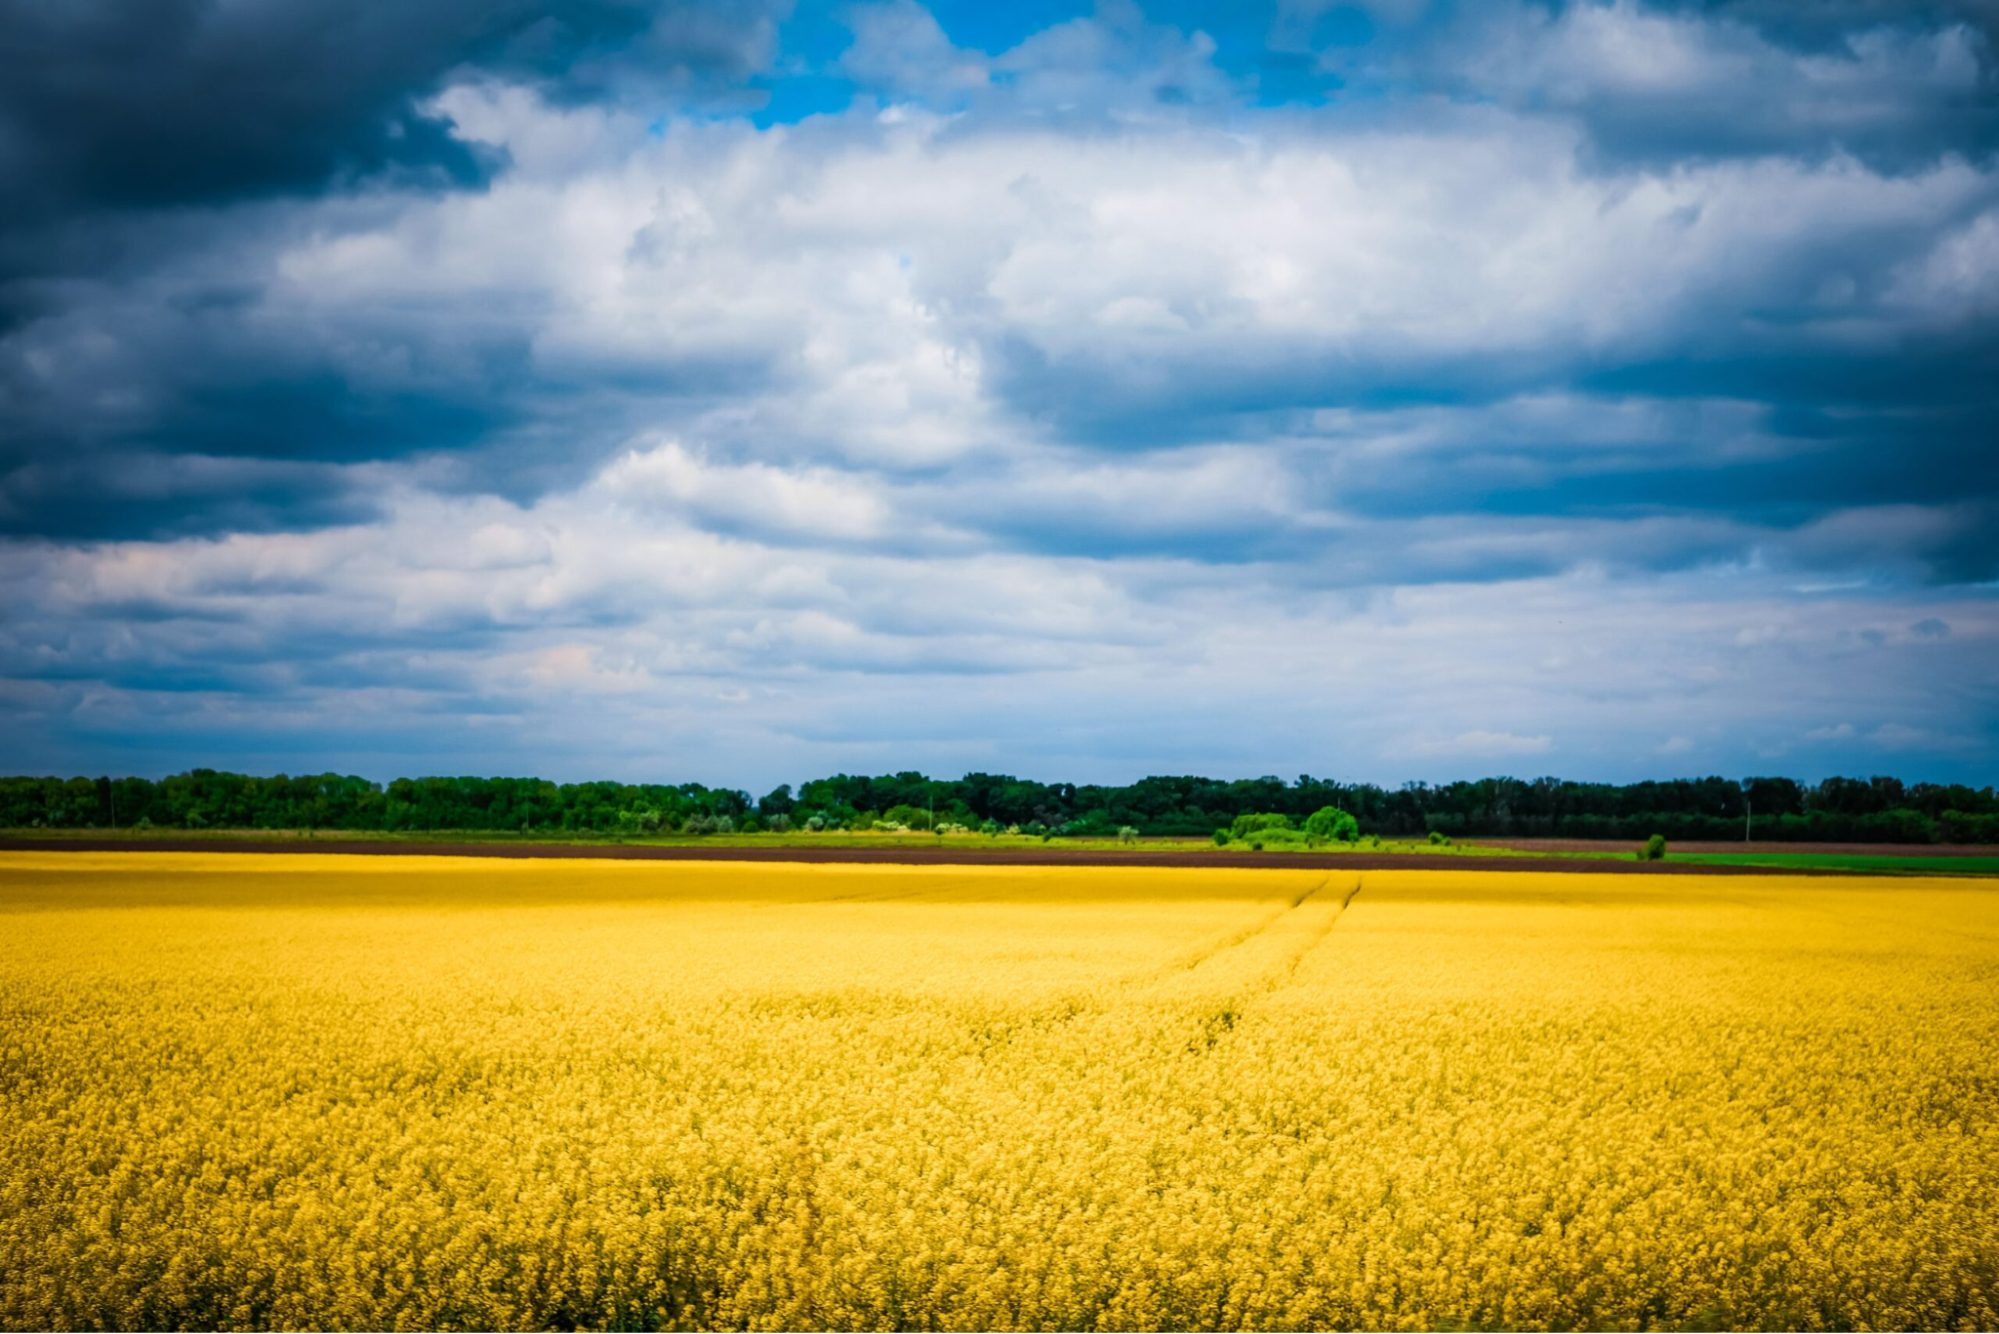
{"x": 253, "y": 1091}
{"x": 1914, "y": 864}
{"x": 1873, "y": 858}
{"x": 1568, "y": 856}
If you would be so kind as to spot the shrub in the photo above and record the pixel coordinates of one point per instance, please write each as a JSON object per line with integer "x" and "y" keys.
{"x": 816, "y": 824}
{"x": 1256, "y": 845}
{"x": 1439, "y": 839}
{"x": 638, "y": 820}
{"x": 1222, "y": 838}
{"x": 910, "y": 817}
{"x": 778, "y": 824}
{"x": 1330, "y": 822}
{"x": 1245, "y": 825}
{"x": 1127, "y": 834}
{"x": 1959, "y": 827}
{"x": 1654, "y": 849}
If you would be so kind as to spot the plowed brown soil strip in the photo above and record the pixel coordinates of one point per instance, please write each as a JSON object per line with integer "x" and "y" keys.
{"x": 944, "y": 856}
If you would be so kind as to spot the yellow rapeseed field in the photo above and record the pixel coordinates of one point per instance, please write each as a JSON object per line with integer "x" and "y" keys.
{"x": 239, "y": 1091}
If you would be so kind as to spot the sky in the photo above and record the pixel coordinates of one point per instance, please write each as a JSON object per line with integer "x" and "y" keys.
{"x": 744, "y": 391}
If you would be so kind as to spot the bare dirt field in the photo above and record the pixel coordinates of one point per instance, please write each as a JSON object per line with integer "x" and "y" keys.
{"x": 1617, "y": 858}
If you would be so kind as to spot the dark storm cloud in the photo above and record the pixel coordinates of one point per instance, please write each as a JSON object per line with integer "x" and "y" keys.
{"x": 1817, "y": 25}
{"x": 117, "y": 495}
{"x": 145, "y": 103}
{"x": 114, "y": 113}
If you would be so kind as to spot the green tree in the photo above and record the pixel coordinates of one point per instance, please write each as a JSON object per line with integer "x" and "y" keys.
{"x": 1333, "y": 824}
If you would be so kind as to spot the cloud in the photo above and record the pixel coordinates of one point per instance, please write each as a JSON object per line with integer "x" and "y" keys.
{"x": 1651, "y": 84}
{"x": 1905, "y": 739}
{"x": 1485, "y": 745}
{"x": 899, "y": 48}
{"x": 1676, "y": 745}
{"x": 801, "y": 504}
{"x": 112, "y": 104}
{"x": 596, "y": 627}
{"x": 1283, "y": 293}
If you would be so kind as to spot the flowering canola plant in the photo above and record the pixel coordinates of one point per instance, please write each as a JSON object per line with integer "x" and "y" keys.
{"x": 384, "y": 1092}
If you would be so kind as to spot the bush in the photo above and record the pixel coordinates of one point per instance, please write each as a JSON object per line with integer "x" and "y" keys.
{"x": 1221, "y": 838}
{"x": 1245, "y": 825}
{"x": 1330, "y": 822}
{"x": 816, "y": 824}
{"x": 639, "y": 820}
{"x": 1438, "y": 839}
{"x": 1127, "y": 834}
{"x": 1654, "y": 849}
{"x": 910, "y": 817}
{"x": 1958, "y": 827}
{"x": 778, "y": 824}
{"x": 1256, "y": 845}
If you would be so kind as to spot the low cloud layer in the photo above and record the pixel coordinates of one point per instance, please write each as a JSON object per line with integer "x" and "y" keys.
{"x": 574, "y": 393}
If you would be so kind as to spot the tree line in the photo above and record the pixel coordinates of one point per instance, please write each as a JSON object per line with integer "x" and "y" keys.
{"x": 1879, "y": 810}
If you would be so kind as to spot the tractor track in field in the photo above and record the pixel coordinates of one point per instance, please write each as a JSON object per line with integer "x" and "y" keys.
{"x": 943, "y": 856}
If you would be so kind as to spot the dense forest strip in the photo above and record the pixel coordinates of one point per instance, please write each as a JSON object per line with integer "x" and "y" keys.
{"x": 1876, "y": 810}
{"x": 965, "y": 853}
